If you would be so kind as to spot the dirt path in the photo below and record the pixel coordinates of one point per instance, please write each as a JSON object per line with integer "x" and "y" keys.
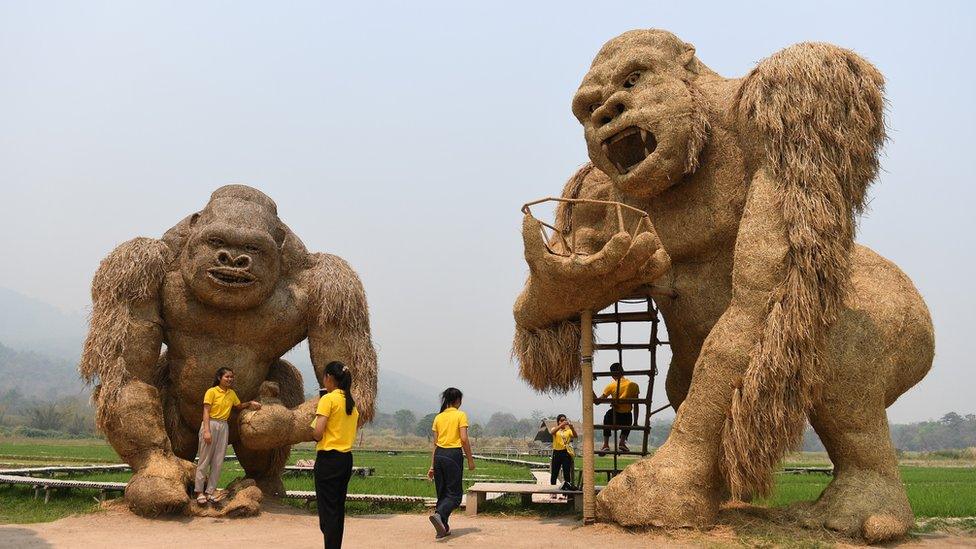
{"x": 289, "y": 527}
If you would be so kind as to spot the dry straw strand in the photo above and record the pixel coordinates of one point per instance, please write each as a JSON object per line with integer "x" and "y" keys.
{"x": 131, "y": 274}
{"x": 820, "y": 109}
{"x": 342, "y": 306}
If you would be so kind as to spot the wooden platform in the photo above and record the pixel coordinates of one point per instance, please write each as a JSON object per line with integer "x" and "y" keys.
{"x": 478, "y": 493}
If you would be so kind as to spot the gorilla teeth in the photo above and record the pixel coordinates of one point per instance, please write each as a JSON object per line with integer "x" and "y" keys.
{"x": 628, "y": 148}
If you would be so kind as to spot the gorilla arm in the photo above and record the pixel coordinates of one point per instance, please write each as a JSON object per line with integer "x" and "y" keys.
{"x": 121, "y": 354}
{"x": 338, "y": 331}
{"x": 122, "y": 348}
{"x": 546, "y": 342}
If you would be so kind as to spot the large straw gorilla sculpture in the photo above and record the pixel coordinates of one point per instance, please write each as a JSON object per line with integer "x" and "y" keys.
{"x": 228, "y": 286}
{"x": 753, "y": 186}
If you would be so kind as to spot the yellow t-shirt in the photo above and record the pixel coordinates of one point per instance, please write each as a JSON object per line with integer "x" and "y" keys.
{"x": 340, "y": 429}
{"x": 628, "y": 389}
{"x": 447, "y": 425}
{"x": 220, "y": 402}
{"x": 561, "y": 440}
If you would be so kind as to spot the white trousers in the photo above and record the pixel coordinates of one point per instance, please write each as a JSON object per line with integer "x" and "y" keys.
{"x": 211, "y": 456}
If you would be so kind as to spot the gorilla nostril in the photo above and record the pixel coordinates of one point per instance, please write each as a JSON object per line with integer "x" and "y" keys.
{"x": 242, "y": 261}
{"x": 606, "y": 120}
{"x": 223, "y": 258}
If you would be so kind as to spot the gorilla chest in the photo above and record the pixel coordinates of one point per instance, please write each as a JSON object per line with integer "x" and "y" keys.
{"x": 200, "y": 338}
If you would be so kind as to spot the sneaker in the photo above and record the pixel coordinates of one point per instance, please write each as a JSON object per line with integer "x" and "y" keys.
{"x": 435, "y": 519}
{"x": 566, "y": 486}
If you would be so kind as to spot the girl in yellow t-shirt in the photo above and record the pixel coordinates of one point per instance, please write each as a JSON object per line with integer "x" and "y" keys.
{"x": 218, "y": 402}
{"x": 446, "y": 469}
{"x": 563, "y": 434}
{"x": 336, "y": 420}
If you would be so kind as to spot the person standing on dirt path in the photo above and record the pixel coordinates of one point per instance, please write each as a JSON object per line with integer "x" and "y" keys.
{"x": 334, "y": 429}
{"x": 217, "y": 404}
{"x": 563, "y": 434}
{"x": 446, "y": 469}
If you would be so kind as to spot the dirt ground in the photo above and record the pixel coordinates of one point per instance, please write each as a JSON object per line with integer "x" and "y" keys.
{"x": 284, "y": 526}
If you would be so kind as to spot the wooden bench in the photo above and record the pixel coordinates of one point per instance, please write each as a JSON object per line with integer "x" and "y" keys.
{"x": 478, "y": 493}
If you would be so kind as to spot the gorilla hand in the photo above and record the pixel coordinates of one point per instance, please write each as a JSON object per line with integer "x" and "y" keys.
{"x": 274, "y": 425}
{"x": 560, "y": 287}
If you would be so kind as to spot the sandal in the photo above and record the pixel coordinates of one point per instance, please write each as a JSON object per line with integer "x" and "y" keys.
{"x": 202, "y": 499}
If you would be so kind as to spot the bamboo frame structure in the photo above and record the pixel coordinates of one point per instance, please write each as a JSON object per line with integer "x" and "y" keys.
{"x": 586, "y": 363}
{"x": 643, "y": 221}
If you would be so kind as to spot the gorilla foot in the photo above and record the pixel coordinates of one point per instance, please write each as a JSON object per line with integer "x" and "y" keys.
{"x": 860, "y": 503}
{"x": 241, "y": 499}
{"x": 660, "y": 492}
{"x": 159, "y": 487}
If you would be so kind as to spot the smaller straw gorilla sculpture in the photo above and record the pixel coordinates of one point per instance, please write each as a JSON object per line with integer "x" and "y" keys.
{"x": 228, "y": 286}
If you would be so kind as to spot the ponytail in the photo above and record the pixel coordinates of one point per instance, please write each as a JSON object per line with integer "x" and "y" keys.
{"x": 340, "y": 372}
{"x": 449, "y": 397}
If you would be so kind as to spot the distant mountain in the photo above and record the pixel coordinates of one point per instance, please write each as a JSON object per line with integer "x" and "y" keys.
{"x": 36, "y": 375}
{"x": 27, "y": 323}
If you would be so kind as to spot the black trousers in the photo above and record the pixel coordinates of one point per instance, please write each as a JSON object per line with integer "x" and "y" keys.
{"x": 332, "y": 471}
{"x": 561, "y": 459}
{"x": 617, "y": 418}
{"x": 448, "y": 472}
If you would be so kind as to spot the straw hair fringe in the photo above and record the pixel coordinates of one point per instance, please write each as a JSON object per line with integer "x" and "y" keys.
{"x": 342, "y": 307}
{"x": 549, "y": 358}
{"x": 700, "y": 127}
{"x": 820, "y": 110}
{"x": 132, "y": 273}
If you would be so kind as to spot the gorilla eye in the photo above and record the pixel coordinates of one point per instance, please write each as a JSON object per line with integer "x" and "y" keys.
{"x": 215, "y": 242}
{"x": 251, "y": 249}
{"x": 632, "y": 79}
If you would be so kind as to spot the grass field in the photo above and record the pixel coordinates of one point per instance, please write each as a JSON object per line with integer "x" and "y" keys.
{"x": 934, "y": 491}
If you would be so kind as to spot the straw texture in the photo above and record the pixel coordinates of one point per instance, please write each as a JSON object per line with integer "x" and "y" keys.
{"x": 228, "y": 286}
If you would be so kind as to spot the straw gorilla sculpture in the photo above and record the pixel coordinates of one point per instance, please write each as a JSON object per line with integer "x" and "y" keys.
{"x": 753, "y": 186}
{"x": 228, "y": 286}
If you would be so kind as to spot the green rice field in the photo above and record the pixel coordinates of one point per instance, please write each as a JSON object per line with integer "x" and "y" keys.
{"x": 934, "y": 491}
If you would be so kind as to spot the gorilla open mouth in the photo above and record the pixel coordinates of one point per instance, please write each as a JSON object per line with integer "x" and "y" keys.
{"x": 629, "y": 147}
{"x": 235, "y": 278}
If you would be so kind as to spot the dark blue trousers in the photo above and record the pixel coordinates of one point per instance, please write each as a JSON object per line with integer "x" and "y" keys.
{"x": 448, "y": 472}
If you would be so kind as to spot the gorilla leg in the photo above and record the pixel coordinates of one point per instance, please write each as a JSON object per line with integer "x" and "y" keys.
{"x": 880, "y": 348}
{"x": 264, "y": 466}
{"x": 866, "y": 497}
{"x": 282, "y": 386}
{"x": 134, "y": 426}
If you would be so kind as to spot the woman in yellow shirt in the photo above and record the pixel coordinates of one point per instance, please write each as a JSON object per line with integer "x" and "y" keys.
{"x": 218, "y": 401}
{"x": 563, "y": 434}
{"x": 450, "y": 436}
{"x": 336, "y": 420}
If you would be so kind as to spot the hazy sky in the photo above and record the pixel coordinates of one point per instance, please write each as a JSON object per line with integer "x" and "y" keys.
{"x": 404, "y": 136}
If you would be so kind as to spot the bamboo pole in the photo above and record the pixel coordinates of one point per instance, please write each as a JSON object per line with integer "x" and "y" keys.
{"x": 586, "y": 352}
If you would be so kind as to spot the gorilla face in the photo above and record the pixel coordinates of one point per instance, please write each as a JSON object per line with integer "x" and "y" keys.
{"x": 637, "y": 112}
{"x": 229, "y": 265}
